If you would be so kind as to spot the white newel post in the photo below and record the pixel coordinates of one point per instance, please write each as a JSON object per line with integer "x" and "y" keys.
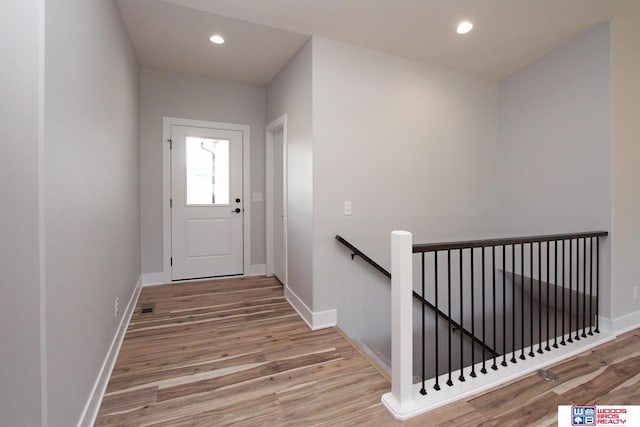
{"x": 401, "y": 320}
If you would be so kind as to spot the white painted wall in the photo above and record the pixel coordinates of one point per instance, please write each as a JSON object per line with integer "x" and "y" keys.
{"x": 555, "y": 143}
{"x": 412, "y": 147}
{"x": 165, "y": 93}
{"x": 20, "y": 32}
{"x": 91, "y": 194}
{"x": 625, "y": 241}
{"x": 290, "y": 92}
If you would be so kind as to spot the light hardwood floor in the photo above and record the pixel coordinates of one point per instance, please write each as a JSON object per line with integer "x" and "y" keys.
{"x": 233, "y": 352}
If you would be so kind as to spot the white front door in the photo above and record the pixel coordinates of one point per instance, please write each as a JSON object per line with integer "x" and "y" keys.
{"x": 206, "y": 202}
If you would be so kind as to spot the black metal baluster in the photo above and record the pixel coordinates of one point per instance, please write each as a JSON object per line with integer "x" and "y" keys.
{"x": 504, "y": 305}
{"x": 461, "y": 377}
{"x": 555, "y": 294}
{"x": 570, "y": 339}
{"x": 435, "y": 313}
{"x": 547, "y": 348}
{"x": 564, "y": 289}
{"x": 539, "y": 297}
{"x": 473, "y": 318}
{"x": 513, "y": 304}
{"x": 522, "y": 356}
{"x": 449, "y": 382}
{"x": 597, "y": 285}
{"x": 531, "y": 353}
{"x": 484, "y": 316}
{"x": 423, "y": 391}
{"x": 577, "y": 337}
{"x": 493, "y": 279}
{"x": 584, "y": 288}
{"x": 591, "y": 286}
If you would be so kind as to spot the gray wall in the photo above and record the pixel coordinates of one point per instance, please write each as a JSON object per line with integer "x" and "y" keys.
{"x": 290, "y": 92}
{"x": 91, "y": 195}
{"x": 555, "y": 152}
{"x": 412, "y": 147}
{"x": 20, "y": 32}
{"x": 171, "y": 94}
{"x": 625, "y": 242}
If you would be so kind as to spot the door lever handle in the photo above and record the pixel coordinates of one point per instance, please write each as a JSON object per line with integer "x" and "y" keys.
{"x": 236, "y": 210}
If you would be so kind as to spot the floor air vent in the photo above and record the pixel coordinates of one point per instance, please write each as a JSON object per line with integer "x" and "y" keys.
{"x": 548, "y": 375}
{"x": 148, "y": 308}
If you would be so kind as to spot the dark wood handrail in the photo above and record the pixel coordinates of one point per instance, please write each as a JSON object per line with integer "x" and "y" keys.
{"x": 484, "y": 243}
{"x": 456, "y": 326}
{"x": 357, "y": 252}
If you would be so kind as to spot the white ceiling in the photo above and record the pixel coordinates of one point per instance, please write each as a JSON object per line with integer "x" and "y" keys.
{"x": 171, "y": 37}
{"x": 263, "y": 34}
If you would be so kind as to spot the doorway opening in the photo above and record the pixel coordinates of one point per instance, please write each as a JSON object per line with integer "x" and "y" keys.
{"x": 276, "y": 200}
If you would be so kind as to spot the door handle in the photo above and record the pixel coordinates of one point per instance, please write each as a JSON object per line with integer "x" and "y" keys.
{"x": 236, "y": 210}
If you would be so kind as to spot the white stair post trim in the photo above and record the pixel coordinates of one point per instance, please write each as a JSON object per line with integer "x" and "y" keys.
{"x": 401, "y": 398}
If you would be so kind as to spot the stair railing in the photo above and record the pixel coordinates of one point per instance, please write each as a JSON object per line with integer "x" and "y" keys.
{"x": 522, "y": 296}
{"x": 453, "y": 325}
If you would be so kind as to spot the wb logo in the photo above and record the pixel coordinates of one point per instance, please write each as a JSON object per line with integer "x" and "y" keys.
{"x": 583, "y": 415}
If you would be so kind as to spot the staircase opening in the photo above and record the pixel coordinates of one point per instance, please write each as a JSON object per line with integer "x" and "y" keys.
{"x": 486, "y": 305}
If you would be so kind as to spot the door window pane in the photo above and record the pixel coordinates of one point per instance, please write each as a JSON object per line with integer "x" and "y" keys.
{"x": 207, "y": 171}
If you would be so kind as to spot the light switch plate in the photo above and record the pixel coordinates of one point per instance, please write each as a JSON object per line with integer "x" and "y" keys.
{"x": 348, "y": 208}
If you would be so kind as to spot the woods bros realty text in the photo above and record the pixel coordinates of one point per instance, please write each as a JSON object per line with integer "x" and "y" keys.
{"x": 611, "y": 416}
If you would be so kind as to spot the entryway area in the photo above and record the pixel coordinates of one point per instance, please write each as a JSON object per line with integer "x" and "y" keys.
{"x": 234, "y": 352}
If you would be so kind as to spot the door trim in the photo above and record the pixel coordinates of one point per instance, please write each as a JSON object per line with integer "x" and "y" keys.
{"x": 167, "y": 122}
{"x": 279, "y": 123}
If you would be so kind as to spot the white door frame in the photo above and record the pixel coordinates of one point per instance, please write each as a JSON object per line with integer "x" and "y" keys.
{"x": 277, "y": 124}
{"x": 167, "y": 122}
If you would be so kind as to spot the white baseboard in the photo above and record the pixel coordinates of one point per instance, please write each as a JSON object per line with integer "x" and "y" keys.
{"x": 91, "y": 408}
{"x": 256, "y": 270}
{"x": 605, "y": 324}
{"x": 315, "y": 320}
{"x": 152, "y": 279}
{"x": 621, "y": 324}
{"x": 324, "y": 319}
{"x": 378, "y": 358}
{"x": 299, "y": 306}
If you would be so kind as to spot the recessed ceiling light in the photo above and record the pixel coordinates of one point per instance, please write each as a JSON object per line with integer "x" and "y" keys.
{"x": 217, "y": 39}
{"x": 464, "y": 27}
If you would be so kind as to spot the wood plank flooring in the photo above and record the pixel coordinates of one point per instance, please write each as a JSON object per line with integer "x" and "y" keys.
{"x": 233, "y": 352}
